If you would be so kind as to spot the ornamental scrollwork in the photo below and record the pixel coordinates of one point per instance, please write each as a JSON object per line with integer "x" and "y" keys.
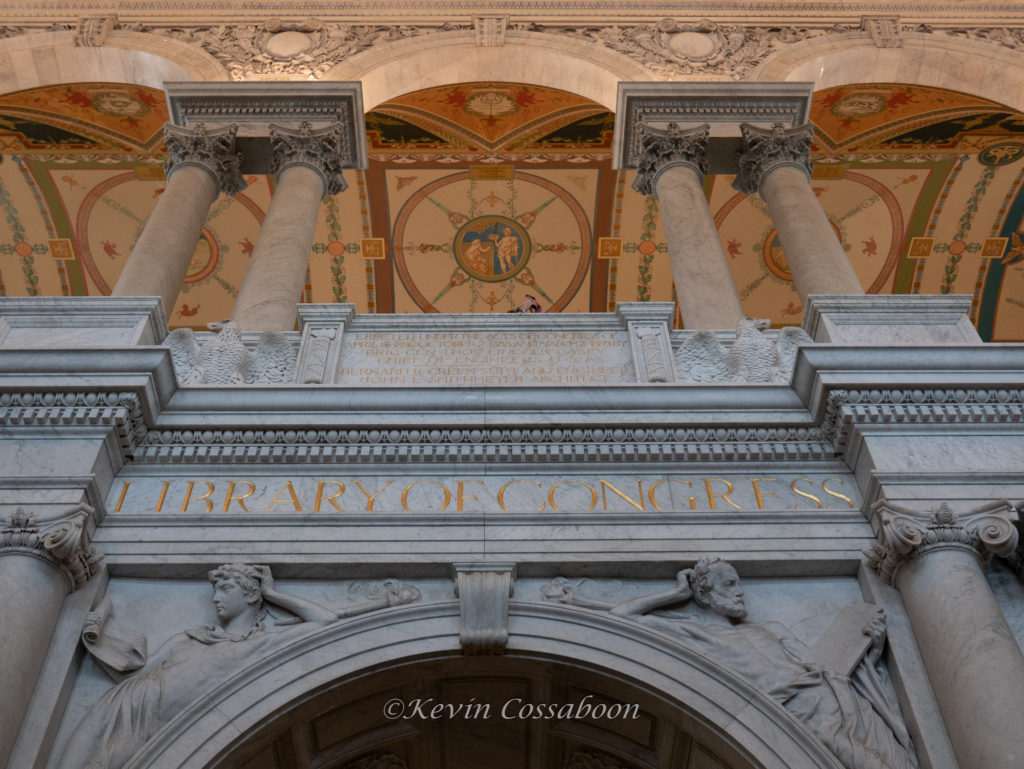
{"x": 323, "y": 150}
{"x": 904, "y": 534}
{"x": 661, "y": 149}
{"x": 764, "y": 150}
{"x": 212, "y": 150}
{"x": 62, "y": 542}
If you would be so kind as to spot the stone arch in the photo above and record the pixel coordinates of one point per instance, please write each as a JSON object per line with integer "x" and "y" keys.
{"x": 392, "y": 69}
{"x": 51, "y": 58}
{"x": 730, "y": 710}
{"x": 974, "y": 66}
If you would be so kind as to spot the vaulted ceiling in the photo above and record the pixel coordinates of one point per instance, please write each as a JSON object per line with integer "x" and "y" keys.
{"x": 480, "y": 193}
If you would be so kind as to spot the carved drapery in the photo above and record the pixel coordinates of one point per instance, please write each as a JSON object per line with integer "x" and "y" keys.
{"x": 661, "y": 149}
{"x": 214, "y": 151}
{"x": 321, "y": 150}
{"x": 905, "y": 534}
{"x": 768, "y": 149}
{"x": 62, "y": 542}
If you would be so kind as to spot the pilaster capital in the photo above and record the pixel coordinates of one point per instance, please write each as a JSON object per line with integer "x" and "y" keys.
{"x": 321, "y": 150}
{"x": 212, "y": 150}
{"x": 62, "y": 542}
{"x": 660, "y": 150}
{"x": 904, "y": 534}
{"x": 765, "y": 149}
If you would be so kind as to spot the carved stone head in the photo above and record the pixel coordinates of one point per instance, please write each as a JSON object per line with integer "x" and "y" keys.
{"x": 716, "y": 586}
{"x": 236, "y": 589}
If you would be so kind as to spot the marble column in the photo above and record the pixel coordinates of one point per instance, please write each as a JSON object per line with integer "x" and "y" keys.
{"x": 974, "y": 663}
{"x": 202, "y": 164}
{"x": 40, "y": 564}
{"x": 672, "y": 166}
{"x": 775, "y": 164}
{"x": 308, "y": 166}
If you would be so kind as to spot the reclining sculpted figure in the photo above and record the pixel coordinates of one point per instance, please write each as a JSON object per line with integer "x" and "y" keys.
{"x": 192, "y": 662}
{"x": 850, "y": 709}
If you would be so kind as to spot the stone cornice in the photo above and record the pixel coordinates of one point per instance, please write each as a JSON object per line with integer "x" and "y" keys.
{"x": 416, "y": 11}
{"x": 63, "y": 542}
{"x": 905, "y": 534}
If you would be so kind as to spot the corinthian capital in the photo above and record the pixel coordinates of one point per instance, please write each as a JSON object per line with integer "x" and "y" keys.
{"x": 63, "y": 543}
{"x": 671, "y": 147}
{"x": 904, "y": 534}
{"x": 213, "y": 151}
{"x": 765, "y": 149}
{"x": 322, "y": 150}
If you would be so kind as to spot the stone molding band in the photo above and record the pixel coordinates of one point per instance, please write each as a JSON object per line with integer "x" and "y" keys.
{"x": 63, "y": 542}
{"x": 321, "y": 151}
{"x": 767, "y": 149}
{"x": 211, "y": 150}
{"x": 905, "y": 534}
{"x": 661, "y": 150}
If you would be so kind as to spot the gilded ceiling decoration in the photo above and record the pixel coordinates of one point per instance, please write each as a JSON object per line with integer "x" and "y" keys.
{"x": 478, "y": 194}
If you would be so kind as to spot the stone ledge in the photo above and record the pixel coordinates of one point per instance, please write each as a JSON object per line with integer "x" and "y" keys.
{"x": 911, "y": 319}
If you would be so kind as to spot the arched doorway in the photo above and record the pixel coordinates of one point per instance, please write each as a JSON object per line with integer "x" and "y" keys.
{"x": 323, "y": 702}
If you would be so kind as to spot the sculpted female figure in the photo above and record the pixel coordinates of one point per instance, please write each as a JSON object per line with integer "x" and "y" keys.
{"x": 851, "y": 713}
{"x": 194, "y": 661}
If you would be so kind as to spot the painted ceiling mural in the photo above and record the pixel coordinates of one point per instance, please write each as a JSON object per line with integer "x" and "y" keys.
{"x": 478, "y": 194}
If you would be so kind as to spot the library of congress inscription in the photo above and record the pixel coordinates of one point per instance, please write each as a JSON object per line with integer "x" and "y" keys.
{"x": 486, "y": 358}
{"x": 381, "y": 494}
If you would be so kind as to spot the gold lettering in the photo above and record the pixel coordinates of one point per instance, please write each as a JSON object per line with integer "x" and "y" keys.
{"x": 291, "y": 497}
{"x": 724, "y": 496}
{"x": 460, "y": 494}
{"x": 633, "y": 502}
{"x": 205, "y": 497}
{"x": 551, "y": 494}
{"x": 230, "y": 496}
{"x": 163, "y": 495}
{"x": 804, "y": 493}
{"x": 759, "y": 494}
{"x": 320, "y": 495}
{"x": 371, "y": 498}
{"x": 501, "y": 494}
{"x": 120, "y": 499}
{"x": 656, "y": 484}
{"x": 836, "y": 494}
{"x": 447, "y": 494}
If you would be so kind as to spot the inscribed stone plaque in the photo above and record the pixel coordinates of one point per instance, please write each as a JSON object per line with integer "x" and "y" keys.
{"x": 456, "y": 358}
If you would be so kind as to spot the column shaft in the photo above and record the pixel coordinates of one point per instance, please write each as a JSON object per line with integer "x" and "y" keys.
{"x": 159, "y": 262}
{"x": 776, "y": 163}
{"x": 277, "y": 269}
{"x": 816, "y": 259}
{"x": 32, "y": 593}
{"x": 39, "y": 565}
{"x": 308, "y": 165}
{"x": 974, "y": 663}
{"x": 704, "y": 284}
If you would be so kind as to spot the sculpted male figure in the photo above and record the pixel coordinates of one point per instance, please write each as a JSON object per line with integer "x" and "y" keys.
{"x": 853, "y": 715}
{"x": 195, "y": 661}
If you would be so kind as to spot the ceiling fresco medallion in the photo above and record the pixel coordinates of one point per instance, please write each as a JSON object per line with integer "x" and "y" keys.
{"x": 463, "y": 244}
{"x": 492, "y": 248}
